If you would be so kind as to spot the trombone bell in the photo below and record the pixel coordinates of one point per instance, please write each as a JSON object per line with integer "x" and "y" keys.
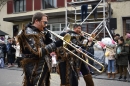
{"x": 67, "y": 38}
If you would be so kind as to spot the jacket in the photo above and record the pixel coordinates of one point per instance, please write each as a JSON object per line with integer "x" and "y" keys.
{"x": 122, "y": 52}
{"x": 110, "y": 53}
{"x": 35, "y": 47}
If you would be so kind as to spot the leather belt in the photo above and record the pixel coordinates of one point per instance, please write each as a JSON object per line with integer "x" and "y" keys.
{"x": 28, "y": 55}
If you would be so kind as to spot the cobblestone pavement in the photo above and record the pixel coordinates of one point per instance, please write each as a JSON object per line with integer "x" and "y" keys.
{"x": 12, "y": 77}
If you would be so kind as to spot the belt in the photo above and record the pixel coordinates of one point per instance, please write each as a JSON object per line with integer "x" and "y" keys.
{"x": 28, "y": 55}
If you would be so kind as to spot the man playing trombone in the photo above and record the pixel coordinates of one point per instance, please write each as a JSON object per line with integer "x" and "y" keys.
{"x": 36, "y": 46}
{"x": 79, "y": 40}
{"x": 65, "y": 67}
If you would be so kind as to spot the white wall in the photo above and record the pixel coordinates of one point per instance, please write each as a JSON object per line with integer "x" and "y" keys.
{"x": 120, "y": 9}
{"x": 5, "y": 26}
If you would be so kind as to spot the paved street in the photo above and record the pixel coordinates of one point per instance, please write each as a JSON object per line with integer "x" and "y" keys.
{"x": 12, "y": 77}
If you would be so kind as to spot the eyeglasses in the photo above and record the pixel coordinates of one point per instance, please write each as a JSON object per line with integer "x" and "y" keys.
{"x": 45, "y": 22}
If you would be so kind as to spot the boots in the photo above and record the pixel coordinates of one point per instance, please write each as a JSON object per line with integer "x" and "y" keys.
{"x": 109, "y": 75}
{"x": 88, "y": 80}
{"x": 113, "y": 75}
{"x": 9, "y": 65}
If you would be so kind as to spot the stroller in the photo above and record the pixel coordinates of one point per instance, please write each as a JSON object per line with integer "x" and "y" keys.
{"x": 128, "y": 69}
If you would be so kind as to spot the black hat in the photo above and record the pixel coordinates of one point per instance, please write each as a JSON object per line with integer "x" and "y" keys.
{"x": 117, "y": 35}
{"x": 9, "y": 38}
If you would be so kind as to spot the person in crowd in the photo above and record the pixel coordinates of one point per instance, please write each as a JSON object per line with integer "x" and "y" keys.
{"x": 110, "y": 55}
{"x": 10, "y": 53}
{"x": 122, "y": 52}
{"x": 53, "y": 55}
{"x": 18, "y": 54}
{"x": 13, "y": 48}
{"x": 127, "y": 43}
{"x": 4, "y": 50}
{"x": 116, "y": 37}
{"x": 90, "y": 50}
{"x": 84, "y": 10}
{"x": 1, "y": 54}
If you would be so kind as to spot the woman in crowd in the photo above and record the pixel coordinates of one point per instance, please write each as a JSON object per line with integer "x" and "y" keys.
{"x": 127, "y": 43}
{"x": 90, "y": 50}
{"x": 122, "y": 52}
{"x": 18, "y": 55}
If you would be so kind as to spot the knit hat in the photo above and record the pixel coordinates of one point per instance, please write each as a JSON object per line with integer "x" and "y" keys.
{"x": 128, "y": 35}
{"x": 101, "y": 44}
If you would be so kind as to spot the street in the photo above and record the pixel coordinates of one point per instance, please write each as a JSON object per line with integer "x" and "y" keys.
{"x": 13, "y": 78}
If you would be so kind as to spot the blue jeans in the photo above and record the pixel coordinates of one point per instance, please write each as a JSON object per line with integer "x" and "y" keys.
{"x": 84, "y": 10}
{"x": 111, "y": 66}
{"x": 1, "y": 63}
{"x": 95, "y": 11}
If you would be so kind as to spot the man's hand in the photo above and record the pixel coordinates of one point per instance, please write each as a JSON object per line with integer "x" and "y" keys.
{"x": 78, "y": 50}
{"x": 59, "y": 43}
{"x": 126, "y": 44}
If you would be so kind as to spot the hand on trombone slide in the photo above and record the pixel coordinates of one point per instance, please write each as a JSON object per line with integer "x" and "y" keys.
{"x": 79, "y": 49}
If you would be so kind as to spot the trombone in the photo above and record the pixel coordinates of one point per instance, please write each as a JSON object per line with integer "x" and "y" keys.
{"x": 91, "y": 35}
{"x": 66, "y": 41}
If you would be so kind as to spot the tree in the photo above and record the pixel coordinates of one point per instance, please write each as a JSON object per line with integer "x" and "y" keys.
{"x": 2, "y": 3}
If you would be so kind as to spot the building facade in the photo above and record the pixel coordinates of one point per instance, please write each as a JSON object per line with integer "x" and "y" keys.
{"x": 16, "y": 12}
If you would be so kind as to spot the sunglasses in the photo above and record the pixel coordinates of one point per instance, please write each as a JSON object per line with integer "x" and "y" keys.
{"x": 45, "y": 22}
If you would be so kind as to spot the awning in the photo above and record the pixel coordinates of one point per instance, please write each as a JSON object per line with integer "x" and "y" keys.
{"x": 126, "y": 17}
{"x": 3, "y": 33}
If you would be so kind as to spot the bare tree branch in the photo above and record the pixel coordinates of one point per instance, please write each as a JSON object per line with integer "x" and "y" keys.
{"x": 2, "y": 3}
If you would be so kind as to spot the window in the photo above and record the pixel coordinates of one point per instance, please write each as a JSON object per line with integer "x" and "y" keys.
{"x": 20, "y": 5}
{"x": 49, "y": 4}
{"x": 62, "y": 27}
{"x": 55, "y": 27}
{"x": 128, "y": 25}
